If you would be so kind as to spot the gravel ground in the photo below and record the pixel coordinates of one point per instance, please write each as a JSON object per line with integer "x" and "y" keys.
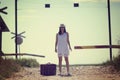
{"x": 77, "y": 72}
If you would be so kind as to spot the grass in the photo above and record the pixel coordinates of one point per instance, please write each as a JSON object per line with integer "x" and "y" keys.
{"x": 115, "y": 63}
{"x": 28, "y": 62}
{"x": 2, "y": 78}
{"x": 10, "y": 66}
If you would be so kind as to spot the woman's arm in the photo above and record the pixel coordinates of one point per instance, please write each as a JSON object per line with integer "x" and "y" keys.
{"x": 56, "y": 43}
{"x": 68, "y": 41}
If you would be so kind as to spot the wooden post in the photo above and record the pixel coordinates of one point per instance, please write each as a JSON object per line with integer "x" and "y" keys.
{"x": 109, "y": 26}
{"x": 0, "y": 41}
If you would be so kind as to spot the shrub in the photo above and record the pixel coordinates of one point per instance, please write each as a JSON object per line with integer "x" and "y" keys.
{"x": 115, "y": 63}
{"x": 107, "y": 63}
{"x": 28, "y": 62}
{"x": 8, "y": 67}
{"x": 2, "y": 78}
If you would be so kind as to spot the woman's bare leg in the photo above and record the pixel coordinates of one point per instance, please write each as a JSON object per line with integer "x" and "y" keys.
{"x": 60, "y": 64}
{"x": 67, "y": 64}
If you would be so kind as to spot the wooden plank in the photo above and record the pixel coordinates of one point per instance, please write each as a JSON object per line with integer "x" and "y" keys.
{"x": 97, "y": 46}
{"x": 22, "y": 54}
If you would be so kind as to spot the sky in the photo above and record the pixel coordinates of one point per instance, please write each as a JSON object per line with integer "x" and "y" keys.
{"x": 86, "y": 25}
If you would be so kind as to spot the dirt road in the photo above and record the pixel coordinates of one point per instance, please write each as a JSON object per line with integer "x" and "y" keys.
{"x": 78, "y": 73}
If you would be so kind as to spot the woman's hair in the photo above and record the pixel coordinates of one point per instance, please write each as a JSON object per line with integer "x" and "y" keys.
{"x": 62, "y": 26}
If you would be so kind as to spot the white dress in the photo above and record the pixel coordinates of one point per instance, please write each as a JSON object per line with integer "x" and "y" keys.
{"x": 62, "y": 45}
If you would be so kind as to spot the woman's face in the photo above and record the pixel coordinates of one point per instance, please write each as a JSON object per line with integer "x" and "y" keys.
{"x": 62, "y": 29}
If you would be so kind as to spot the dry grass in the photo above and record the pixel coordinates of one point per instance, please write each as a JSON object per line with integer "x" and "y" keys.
{"x": 8, "y": 67}
{"x": 115, "y": 63}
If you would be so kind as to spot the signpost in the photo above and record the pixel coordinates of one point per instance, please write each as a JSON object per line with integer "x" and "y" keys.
{"x": 16, "y": 31}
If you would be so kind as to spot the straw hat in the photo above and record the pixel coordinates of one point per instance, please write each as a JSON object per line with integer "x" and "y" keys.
{"x": 62, "y": 25}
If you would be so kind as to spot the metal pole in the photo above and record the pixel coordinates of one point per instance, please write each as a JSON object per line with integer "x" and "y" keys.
{"x": 16, "y": 48}
{"x": 19, "y": 51}
{"x": 109, "y": 26}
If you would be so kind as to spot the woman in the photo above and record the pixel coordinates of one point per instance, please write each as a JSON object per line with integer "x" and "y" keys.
{"x": 62, "y": 46}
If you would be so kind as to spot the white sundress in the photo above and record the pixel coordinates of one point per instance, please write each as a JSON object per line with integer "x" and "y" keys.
{"x": 62, "y": 45}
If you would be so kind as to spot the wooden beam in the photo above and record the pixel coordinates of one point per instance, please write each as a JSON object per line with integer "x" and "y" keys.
{"x": 22, "y": 54}
{"x": 97, "y": 46}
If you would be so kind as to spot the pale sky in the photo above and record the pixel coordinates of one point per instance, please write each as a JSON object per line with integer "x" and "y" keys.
{"x": 86, "y": 24}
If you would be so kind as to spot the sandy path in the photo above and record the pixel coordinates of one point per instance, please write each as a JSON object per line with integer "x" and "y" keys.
{"x": 78, "y": 73}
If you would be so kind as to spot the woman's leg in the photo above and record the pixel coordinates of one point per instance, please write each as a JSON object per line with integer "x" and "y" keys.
{"x": 67, "y": 64}
{"x": 60, "y": 64}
